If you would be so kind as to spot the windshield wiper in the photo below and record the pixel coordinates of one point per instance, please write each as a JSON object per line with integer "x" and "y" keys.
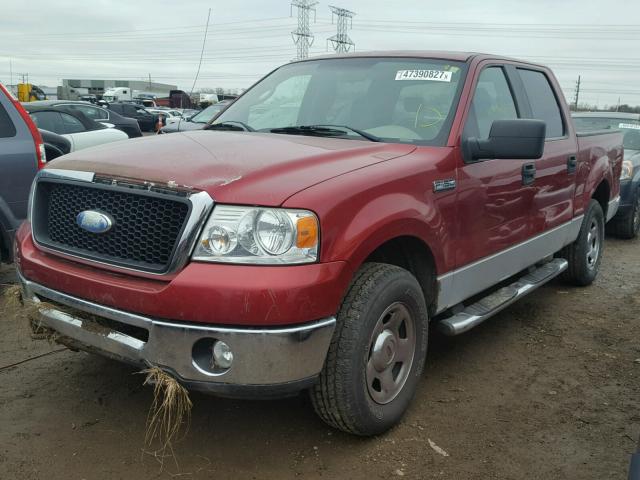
{"x": 231, "y": 125}
{"x": 323, "y": 131}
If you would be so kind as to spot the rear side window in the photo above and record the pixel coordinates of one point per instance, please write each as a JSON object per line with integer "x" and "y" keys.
{"x": 492, "y": 100}
{"x": 7, "y": 128}
{"x": 71, "y": 124}
{"x": 544, "y": 104}
{"x": 49, "y": 121}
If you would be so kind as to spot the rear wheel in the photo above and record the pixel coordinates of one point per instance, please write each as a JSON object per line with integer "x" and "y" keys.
{"x": 377, "y": 354}
{"x": 629, "y": 225}
{"x": 585, "y": 254}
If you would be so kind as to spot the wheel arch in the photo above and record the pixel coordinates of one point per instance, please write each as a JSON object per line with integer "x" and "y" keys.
{"x": 602, "y": 194}
{"x": 413, "y": 254}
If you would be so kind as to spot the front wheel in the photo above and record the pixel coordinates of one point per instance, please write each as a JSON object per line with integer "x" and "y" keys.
{"x": 377, "y": 353}
{"x": 585, "y": 254}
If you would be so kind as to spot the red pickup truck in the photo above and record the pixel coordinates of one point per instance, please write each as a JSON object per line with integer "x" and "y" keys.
{"x": 308, "y": 237}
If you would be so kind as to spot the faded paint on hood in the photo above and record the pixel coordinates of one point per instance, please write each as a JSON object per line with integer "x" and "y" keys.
{"x": 233, "y": 167}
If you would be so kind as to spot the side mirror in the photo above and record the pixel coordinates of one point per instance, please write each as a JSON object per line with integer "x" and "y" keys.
{"x": 517, "y": 139}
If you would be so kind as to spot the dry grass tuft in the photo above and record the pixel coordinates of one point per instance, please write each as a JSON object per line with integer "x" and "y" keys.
{"x": 171, "y": 408}
{"x": 16, "y": 306}
{"x": 12, "y": 298}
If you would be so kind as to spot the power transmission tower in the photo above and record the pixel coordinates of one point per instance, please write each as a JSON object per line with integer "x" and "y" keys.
{"x": 302, "y": 36}
{"x": 577, "y": 94}
{"x": 340, "y": 41}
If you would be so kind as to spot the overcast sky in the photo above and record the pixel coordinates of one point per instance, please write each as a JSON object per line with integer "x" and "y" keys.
{"x": 115, "y": 39}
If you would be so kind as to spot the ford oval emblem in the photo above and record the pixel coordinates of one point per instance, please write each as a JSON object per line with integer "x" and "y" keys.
{"x": 94, "y": 222}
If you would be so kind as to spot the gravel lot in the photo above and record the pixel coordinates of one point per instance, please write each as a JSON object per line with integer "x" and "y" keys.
{"x": 549, "y": 389}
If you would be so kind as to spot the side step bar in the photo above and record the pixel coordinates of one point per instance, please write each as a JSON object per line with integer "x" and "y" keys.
{"x": 497, "y": 301}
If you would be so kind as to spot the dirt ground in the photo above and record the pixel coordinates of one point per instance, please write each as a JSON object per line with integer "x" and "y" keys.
{"x": 549, "y": 389}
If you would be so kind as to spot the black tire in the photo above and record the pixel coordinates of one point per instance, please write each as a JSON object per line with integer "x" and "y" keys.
{"x": 342, "y": 395}
{"x": 584, "y": 263}
{"x": 628, "y": 226}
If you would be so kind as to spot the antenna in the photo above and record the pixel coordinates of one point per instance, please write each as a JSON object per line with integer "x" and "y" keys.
{"x": 340, "y": 41}
{"x": 302, "y": 36}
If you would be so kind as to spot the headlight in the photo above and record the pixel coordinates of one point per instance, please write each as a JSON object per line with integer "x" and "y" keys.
{"x": 236, "y": 234}
{"x": 627, "y": 170}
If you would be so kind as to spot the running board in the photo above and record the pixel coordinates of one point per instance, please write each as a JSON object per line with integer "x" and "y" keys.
{"x": 497, "y": 301}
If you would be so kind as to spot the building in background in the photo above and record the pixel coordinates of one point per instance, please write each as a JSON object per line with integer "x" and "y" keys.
{"x": 74, "y": 88}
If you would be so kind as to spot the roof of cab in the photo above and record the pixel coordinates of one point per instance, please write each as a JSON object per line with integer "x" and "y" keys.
{"x": 433, "y": 54}
{"x": 618, "y": 115}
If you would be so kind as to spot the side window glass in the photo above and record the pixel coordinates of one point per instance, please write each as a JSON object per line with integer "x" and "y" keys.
{"x": 92, "y": 112}
{"x": 492, "y": 100}
{"x": 7, "y": 128}
{"x": 71, "y": 124}
{"x": 50, "y": 121}
{"x": 544, "y": 104}
{"x": 97, "y": 113}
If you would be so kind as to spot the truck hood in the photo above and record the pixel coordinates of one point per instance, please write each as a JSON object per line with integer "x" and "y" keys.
{"x": 233, "y": 167}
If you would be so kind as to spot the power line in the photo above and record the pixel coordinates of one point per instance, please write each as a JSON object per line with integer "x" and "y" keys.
{"x": 139, "y": 30}
{"x": 302, "y": 36}
{"x": 204, "y": 41}
{"x": 341, "y": 41}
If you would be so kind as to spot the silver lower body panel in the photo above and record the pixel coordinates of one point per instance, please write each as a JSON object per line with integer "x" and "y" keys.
{"x": 497, "y": 301}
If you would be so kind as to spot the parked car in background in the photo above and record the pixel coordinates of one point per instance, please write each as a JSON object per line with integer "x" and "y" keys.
{"x": 55, "y": 145}
{"x": 310, "y": 249}
{"x": 81, "y": 131}
{"x": 197, "y": 121}
{"x": 146, "y": 120}
{"x": 626, "y": 223}
{"x": 99, "y": 114}
{"x": 166, "y": 116}
{"x": 22, "y": 153}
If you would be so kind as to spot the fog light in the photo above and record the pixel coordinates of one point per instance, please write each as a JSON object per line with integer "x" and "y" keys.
{"x": 222, "y": 355}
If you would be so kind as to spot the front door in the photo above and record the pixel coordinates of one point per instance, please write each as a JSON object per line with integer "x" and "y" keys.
{"x": 495, "y": 204}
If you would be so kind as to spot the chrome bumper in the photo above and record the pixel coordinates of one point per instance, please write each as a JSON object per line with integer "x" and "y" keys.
{"x": 262, "y": 357}
{"x": 613, "y": 207}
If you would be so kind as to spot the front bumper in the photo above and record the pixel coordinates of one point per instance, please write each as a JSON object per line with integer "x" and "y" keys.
{"x": 267, "y": 361}
{"x": 628, "y": 189}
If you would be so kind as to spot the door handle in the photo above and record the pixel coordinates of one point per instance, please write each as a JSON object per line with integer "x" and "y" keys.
{"x": 572, "y": 164}
{"x": 528, "y": 173}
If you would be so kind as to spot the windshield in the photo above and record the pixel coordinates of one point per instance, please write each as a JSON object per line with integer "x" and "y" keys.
{"x": 630, "y": 128}
{"x": 404, "y": 100}
{"x": 206, "y": 115}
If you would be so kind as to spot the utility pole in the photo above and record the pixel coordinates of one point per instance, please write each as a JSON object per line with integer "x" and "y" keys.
{"x": 10, "y": 72}
{"x": 341, "y": 41}
{"x": 577, "y": 94}
{"x": 149, "y": 81}
{"x": 302, "y": 36}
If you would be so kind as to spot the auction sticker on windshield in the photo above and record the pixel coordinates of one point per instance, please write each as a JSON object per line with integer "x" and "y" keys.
{"x": 633, "y": 126}
{"x": 433, "y": 75}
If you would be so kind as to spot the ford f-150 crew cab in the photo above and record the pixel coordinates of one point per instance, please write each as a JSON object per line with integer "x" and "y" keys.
{"x": 306, "y": 239}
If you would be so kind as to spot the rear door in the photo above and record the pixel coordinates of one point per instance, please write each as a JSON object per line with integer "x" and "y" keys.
{"x": 555, "y": 176}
